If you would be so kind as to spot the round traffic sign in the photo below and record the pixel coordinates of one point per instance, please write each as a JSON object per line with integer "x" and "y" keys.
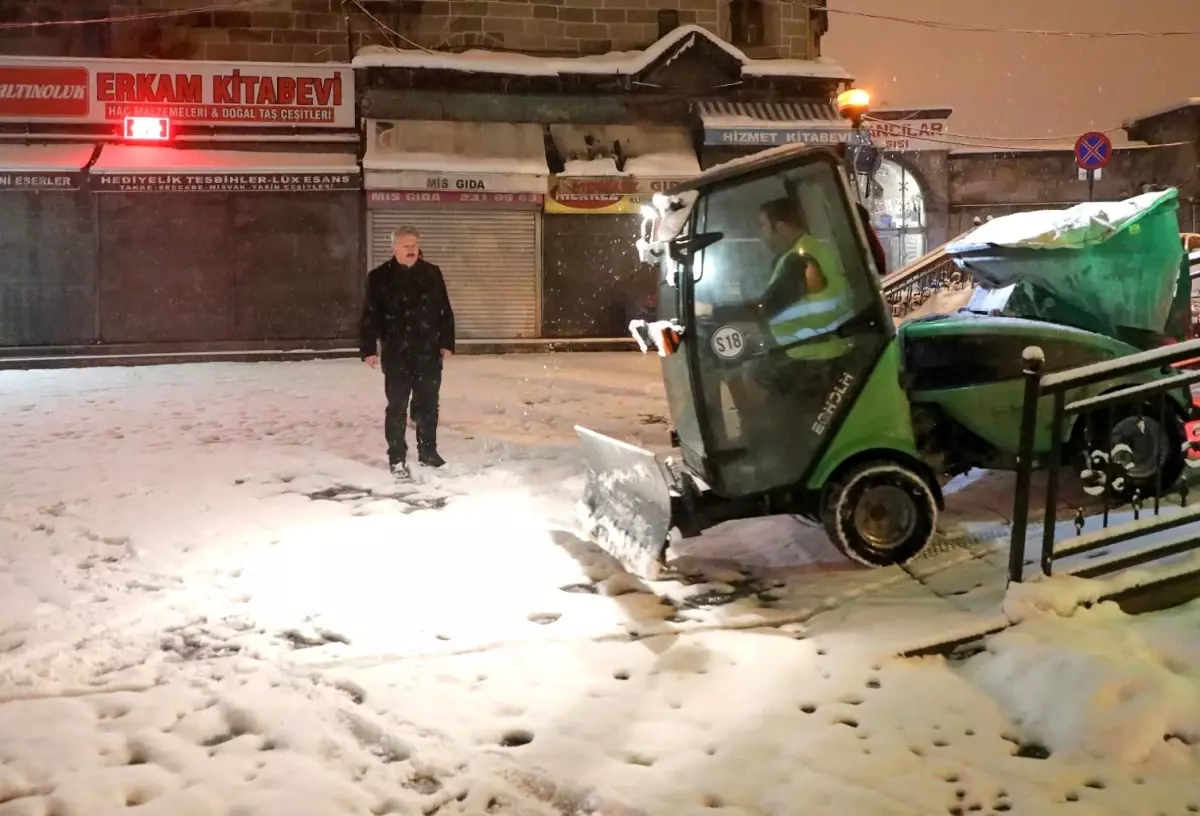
{"x": 1093, "y": 151}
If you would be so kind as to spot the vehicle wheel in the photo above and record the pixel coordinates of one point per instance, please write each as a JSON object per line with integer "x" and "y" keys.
{"x": 880, "y": 514}
{"x": 1152, "y": 453}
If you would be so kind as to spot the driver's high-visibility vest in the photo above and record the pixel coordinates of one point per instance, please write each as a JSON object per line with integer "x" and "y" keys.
{"x": 796, "y": 326}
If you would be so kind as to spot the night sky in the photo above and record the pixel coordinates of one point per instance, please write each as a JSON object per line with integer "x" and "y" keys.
{"x": 1020, "y": 85}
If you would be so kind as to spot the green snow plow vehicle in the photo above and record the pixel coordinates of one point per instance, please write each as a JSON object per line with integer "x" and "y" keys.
{"x": 791, "y": 390}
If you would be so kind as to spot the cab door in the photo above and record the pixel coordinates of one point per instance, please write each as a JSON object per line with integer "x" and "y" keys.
{"x": 774, "y": 374}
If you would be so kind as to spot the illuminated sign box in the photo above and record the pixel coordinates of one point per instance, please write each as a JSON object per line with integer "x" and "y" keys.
{"x": 147, "y": 128}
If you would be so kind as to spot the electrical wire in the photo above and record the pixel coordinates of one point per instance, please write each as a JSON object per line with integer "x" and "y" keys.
{"x": 1060, "y": 138}
{"x": 982, "y": 29}
{"x": 232, "y": 5}
{"x": 388, "y": 29}
{"x": 988, "y": 144}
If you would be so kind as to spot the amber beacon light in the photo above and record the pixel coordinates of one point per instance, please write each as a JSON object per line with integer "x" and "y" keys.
{"x": 147, "y": 128}
{"x": 854, "y": 104}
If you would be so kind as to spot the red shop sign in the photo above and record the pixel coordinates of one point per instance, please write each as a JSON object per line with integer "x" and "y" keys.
{"x": 35, "y": 91}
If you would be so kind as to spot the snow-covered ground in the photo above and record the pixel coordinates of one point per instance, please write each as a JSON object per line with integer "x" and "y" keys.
{"x": 214, "y": 601}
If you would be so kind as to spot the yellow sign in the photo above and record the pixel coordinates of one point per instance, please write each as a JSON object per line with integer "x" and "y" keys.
{"x": 596, "y": 204}
{"x": 603, "y": 195}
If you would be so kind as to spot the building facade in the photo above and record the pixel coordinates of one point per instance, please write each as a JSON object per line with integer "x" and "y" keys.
{"x": 529, "y": 172}
{"x": 520, "y": 138}
{"x": 155, "y": 202}
{"x": 335, "y": 30}
{"x": 236, "y": 203}
{"x": 525, "y": 187}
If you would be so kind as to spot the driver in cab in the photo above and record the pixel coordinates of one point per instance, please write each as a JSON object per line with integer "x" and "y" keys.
{"x": 806, "y": 295}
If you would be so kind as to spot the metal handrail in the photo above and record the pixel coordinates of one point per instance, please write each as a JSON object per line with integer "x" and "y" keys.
{"x": 1056, "y": 386}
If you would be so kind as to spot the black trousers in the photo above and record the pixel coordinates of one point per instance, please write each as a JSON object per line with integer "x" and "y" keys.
{"x": 421, "y": 381}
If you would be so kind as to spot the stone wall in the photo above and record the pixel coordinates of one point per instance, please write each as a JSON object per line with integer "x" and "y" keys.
{"x": 330, "y": 30}
{"x": 983, "y": 184}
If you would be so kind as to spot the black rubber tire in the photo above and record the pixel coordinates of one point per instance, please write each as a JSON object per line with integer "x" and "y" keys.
{"x": 843, "y": 501}
{"x": 1173, "y": 435}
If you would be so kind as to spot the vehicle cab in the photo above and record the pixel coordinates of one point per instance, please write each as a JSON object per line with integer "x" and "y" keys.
{"x": 770, "y": 315}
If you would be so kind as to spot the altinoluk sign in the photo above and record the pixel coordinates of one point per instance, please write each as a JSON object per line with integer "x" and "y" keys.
{"x": 106, "y": 91}
{"x": 43, "y": 92}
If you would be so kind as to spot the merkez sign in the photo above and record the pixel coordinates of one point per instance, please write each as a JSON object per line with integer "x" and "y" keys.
{"x": 106, "y": 91}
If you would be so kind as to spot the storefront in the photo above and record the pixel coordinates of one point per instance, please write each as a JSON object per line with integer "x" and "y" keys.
{"x": 47, "y": 245}
{"x": 904, "y": 213}
{"x": 897, "y": 207}
{"x": 474, "y": 190}
{"x": 222, "y": 205}
{"x": 201, "y": 245}
{"x": 594, "y": 282}
{"x": 913, "y": 144}
{"x": 734, "y": 129}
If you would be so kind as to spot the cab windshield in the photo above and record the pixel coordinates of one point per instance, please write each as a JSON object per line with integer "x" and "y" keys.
{"x": 785, "y": 317}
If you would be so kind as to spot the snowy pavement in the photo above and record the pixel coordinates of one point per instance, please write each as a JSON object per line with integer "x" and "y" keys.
{"x": 213, "y": 600}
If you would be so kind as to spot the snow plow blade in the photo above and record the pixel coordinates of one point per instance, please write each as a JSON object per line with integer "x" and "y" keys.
{"x": 626, "y": 508}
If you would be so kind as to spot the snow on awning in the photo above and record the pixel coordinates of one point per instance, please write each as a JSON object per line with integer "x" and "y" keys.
{"x": 615, "y": 169}
{"x": 771, "y": 123}
{"x": 455, "y": 156}
{"x": 642, "y": 151}
{"x": 26, "y": 168}
{"x": 136, "y": 168}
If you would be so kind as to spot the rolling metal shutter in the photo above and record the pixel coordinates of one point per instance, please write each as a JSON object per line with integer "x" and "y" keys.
{"x": 489, "y": 258}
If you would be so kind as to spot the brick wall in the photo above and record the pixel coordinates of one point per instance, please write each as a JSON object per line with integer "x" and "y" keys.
{"x": 324, "y": 31}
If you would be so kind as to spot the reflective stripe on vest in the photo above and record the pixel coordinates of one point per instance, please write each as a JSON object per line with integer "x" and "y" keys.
{"x": 814, "y": 315}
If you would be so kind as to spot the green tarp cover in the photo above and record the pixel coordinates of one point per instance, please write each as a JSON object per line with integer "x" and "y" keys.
{"x": 1110, "y": 267}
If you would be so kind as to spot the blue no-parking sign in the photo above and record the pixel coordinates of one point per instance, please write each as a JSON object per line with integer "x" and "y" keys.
{"x": 1093, "y": 151}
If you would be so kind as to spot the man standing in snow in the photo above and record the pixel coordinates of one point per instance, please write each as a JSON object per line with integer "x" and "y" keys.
{"x": 407, "y": 321}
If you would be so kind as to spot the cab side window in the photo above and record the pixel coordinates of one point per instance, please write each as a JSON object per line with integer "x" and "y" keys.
{"x": 832, "y": 225}
{"x": 736, "y": 269}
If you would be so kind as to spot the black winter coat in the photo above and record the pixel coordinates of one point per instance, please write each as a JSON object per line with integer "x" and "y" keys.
{"x": 408, "y": 311}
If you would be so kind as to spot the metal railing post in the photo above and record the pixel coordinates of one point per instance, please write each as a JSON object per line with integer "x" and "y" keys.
{"x": 1050, "y": 511}
{"x": 1034, "y": 358}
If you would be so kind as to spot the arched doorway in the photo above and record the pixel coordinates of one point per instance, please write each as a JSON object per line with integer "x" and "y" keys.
{"x": 897, "y": 206}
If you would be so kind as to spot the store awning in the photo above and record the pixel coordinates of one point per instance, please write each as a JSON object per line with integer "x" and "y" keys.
{"x": 764, "y": 124}
{"x": 643, "y": 151}
{"x": 614, "y": 169}
{"x": 25, "y": 168}
{"x": 455, "y": 156}
{"x": 136, "y": 168}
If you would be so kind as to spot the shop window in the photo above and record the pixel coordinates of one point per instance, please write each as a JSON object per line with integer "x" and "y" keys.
{"x": 897, "y": 206}
{"x": 747, "y": 25}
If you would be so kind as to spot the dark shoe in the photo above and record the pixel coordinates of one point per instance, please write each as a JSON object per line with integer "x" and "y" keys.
{"x": 400, "y": 470}
{"x": 431, "y": 459}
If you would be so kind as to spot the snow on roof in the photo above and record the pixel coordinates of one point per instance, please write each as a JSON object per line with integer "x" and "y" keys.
{"x": 155, "y": 159}
{"x": 821, "y": 68}
{"x": 455, "y": 147}
{"x": 621, "y": 63}
{"x": 69, "y": 158}
{"x": 1191, "y": 102}
{"x": 652, "y": 151}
